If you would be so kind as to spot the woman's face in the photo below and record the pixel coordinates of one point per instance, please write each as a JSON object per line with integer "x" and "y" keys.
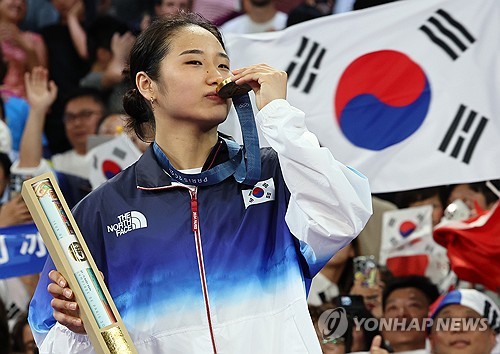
{"x": 12, "y": 10}
{"x": 189, "y": 75}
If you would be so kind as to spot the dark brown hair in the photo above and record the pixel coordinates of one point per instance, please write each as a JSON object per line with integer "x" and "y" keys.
{"x": 146, "y": 55}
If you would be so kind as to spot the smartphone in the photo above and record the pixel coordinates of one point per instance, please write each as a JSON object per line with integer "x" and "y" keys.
{"x": 366, "y": 270}
{"x": 350, "y": 302}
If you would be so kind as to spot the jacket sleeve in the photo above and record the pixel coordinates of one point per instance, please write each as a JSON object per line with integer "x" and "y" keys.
{"x": 330, "y": 203}
{"x": 49, "y": 335}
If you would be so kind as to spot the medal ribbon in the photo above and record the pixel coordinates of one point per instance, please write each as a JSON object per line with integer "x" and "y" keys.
{"x": 243, "y": 163}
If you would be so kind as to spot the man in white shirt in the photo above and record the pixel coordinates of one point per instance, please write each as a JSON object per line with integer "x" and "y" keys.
{"x": 82, "y": 113}
{"x": 406, "y": 301}
{"x": 260, "y": 16}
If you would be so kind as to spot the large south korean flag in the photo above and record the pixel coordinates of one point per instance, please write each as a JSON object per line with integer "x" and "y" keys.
{"x": 408, "y": 93}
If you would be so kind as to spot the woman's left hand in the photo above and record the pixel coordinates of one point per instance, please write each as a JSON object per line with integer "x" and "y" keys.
{"x": 267, "y": 83}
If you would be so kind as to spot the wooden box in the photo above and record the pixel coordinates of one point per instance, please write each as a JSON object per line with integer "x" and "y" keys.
{"x": 73, "y": 260}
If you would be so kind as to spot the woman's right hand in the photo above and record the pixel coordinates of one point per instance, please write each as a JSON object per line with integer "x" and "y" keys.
{"x": 66, "y": 310}
{"x": 267, "y": 82}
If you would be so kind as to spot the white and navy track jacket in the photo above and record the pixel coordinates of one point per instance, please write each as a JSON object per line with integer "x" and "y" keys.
{"x": 217, "y": 268}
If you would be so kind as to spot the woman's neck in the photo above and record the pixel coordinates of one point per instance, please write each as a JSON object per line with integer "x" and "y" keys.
{"x": 186, "y": 149}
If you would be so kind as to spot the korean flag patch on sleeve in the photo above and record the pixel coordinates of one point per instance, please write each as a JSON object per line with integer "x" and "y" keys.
{"x": 262, "y": 192}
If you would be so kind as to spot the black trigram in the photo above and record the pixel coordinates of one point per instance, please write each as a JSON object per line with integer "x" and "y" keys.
{"x": 465, "y": 138}
{"x": 491, "y": 315}
{"x": 13, "y": 311}
{"x": 308, "y": 70}
{"x": 119, "y": 153}
{"x": 449, "y": 34}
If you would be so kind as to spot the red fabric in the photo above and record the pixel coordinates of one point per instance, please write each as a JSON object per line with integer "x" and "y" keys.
{"x": 408, "y": 265}
{"x": 474, "y": 250}
{"x": 436, "y": 303}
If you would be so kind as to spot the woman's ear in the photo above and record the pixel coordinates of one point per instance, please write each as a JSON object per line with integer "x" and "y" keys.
{"x": 145, "y": 85}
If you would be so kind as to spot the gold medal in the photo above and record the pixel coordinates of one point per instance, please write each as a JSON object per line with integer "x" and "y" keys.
{"x": 227, "y": 88}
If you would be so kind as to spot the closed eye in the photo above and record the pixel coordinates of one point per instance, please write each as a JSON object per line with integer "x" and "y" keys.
{"x": 224, "y": 66}
{"x": 194, "y": 62}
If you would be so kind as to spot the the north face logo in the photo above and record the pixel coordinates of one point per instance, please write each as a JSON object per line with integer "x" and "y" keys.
{"x": 127, "y": 222}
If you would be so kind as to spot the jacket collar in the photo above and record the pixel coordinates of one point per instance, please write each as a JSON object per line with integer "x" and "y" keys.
{"x": 150, "y": 175}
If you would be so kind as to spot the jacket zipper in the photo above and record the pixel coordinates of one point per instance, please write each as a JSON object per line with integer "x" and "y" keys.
{"x": 199, "y": 255}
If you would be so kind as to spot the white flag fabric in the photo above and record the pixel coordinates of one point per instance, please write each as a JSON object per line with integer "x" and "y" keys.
{"x": 407, "y": 93}
{"x": 408, "y": 248}
{"x": 110, "y": 158}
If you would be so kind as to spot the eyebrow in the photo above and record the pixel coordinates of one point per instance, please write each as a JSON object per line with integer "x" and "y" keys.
{"x": 446, "y": 312}
{"x": 197, "y": 51}
{"x": 412, "y": 297}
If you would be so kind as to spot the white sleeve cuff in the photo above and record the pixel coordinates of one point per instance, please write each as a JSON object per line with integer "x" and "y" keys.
{"x": 30, "y": 171}
{"x": 61, "y": 340}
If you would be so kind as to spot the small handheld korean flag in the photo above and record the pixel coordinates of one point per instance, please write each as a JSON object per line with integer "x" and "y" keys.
{"x": 262, "y": 192}
{"x": 408, "y": 247}
{"x": 111, "y": 158}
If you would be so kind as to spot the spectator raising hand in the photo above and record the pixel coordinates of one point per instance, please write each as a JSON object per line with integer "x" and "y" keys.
{"x": 76, "y": 14}
{"x": 41, "y": 93}
{"x": 120, "y": 48}
{"x": 109, "y": 44}
{"x": 372, "y": 294}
